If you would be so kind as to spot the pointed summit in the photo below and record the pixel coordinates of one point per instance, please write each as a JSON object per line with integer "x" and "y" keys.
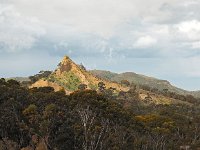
{"x": 64, "y": 66}
{"x": 66, "y": 58}
{"x": 69, "y": 76}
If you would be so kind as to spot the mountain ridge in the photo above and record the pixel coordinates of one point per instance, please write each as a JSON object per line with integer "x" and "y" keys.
{"x": 68, "y": 75}
{"x": 143, "y": 80}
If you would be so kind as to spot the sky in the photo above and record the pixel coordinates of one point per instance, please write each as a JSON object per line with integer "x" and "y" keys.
{"x": 159, "y": 38}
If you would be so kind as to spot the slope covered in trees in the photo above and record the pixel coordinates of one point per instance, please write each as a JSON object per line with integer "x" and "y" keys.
{"x": 70, "y": 108}
{"x": 40, "y": 118}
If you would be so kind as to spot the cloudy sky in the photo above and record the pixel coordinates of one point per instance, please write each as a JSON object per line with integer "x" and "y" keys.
{"x": 159, "y": 38}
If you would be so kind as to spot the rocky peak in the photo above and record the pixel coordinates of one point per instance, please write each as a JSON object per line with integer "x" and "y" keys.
{"x": 66, "y": 59}
{"x": 64, "y": 66}
{"x": 69, "y": 75}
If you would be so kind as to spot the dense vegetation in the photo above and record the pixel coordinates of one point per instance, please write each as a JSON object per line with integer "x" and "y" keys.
{"x": 69, "y": 80}
{"x": 40, "y": 118}
{"x": 185, "y": 98}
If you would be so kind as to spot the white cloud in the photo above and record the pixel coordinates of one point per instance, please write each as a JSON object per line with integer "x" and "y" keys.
{"x": 17, "y": 32}
{"x": 145, "y": 41}
{"x": 98, "y": 17}
{"x": 191, "y": 29}
{"x": 189, "y": 3}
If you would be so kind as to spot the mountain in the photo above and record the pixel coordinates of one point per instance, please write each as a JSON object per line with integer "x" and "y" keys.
{"x": 69, "y": 76}
{"x": 142, "y": 80}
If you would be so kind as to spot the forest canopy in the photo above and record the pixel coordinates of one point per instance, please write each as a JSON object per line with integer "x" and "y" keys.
{"x": 91, "y": 120}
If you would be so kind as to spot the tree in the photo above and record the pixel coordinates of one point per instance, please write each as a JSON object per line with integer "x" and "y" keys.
{"x": 82, "y": 66}
{"x": 2, "y": 81}
{"x": 41, "y": 74}
{"x": 101, "y": 86}
{"x": 12, "y": 82}
{"x": 94, "y": 130}
{"x": 41, "y": 124}
{"x": 82, "y": 86}
{"x": 109, "y": 93}
{"x": 125, "y": 82}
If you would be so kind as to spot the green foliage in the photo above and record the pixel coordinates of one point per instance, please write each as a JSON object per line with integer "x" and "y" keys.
{"x": 82, "y": 86}
{"x": 125, "y": 82}
{"x": 92, "y": 86}
{"x": 101, "y": 86}
{"x": 31, "y": 109}
{"x": 12, "y": 82}
{"x": 69, "y": 80}
{"x": 43, "y": 89}
{"x": 40, "y": 75}
{"x": 75, "y": 121}
{"x": 50, "y": 110}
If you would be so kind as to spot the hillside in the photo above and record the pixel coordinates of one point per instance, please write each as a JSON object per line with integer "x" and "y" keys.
{"x": 142, "y": 80}
{"x": 195, "y": 93}
{"x": 69, "y": 76}
{"x": 42, "y": 119}
{"x": 131, "y": 117}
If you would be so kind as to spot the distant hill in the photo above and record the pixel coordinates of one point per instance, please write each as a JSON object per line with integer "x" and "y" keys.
{"x": 142, "y": 80}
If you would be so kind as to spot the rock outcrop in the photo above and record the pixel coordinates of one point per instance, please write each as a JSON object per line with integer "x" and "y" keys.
{"x": 69, "y": 75}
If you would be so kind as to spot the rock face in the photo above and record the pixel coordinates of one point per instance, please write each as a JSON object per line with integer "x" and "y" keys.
{"x": 69, "y": 76}
{"x": 64, "y": 66}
